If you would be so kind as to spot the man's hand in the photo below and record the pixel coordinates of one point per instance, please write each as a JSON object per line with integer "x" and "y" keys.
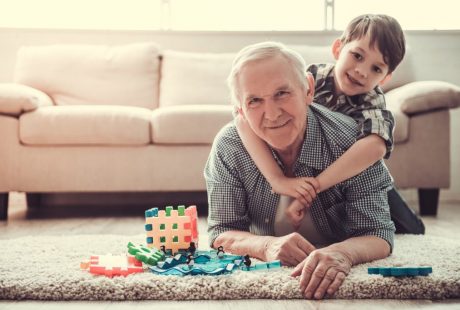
{"x": 323, "y": 271}
{"x": 290, "y": 249}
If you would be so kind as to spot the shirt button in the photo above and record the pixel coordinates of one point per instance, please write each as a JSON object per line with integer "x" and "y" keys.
{"x": 267, "y": 220}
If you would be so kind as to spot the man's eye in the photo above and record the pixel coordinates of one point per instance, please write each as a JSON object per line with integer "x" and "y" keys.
{"x": 253, "y": 102}
{"x": 281, "y": 93}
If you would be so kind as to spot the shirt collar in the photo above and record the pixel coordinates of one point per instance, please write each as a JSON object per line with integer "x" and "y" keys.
{"x": 310, "y": 154}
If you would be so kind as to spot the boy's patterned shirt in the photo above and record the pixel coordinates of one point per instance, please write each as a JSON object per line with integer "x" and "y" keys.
{"x": 368, "y": 110}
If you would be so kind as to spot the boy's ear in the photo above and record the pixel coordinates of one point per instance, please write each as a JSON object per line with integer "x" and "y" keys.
{"x": 386, "y": 79}
{"x": 336, "y": 48}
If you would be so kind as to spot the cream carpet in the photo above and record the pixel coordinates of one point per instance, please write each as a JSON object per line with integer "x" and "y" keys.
{"x": 47, "y": 268}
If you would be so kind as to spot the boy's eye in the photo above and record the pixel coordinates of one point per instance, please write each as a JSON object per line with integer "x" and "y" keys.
{"x": 357, "y": 56}
{"x": 377, "y": 69}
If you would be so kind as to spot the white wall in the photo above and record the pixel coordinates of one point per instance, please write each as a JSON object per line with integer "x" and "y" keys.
{"x": 435, "y": 54}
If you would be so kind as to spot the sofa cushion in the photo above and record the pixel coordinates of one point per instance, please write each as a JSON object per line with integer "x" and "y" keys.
{"x": 86, "y": 125}
{"x": 194, "y": 78}
{"x": 16, "y": 99}
{"x": 189, "y": 124}
{"x": 92, "y": 74}
{"x": 401, "y": 130}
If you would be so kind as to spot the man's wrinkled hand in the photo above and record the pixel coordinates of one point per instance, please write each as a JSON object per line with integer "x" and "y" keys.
{"x": 323, "y": 271}
{"x": 290, "y": 249}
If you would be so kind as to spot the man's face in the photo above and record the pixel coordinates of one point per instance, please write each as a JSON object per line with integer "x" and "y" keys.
{"x": 273, "y": 102}
{"x": 359, "y": 68}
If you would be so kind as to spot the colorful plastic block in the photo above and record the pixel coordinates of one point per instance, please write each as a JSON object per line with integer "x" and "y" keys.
{"x": 174, "y": 229}
{"x": 113, "y": 265}
{"x": 400, "y": 271}
{"x": 262, "y": 266}
{"x": 149, "y": 256}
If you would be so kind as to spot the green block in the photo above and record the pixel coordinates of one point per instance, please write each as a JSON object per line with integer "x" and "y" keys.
{"x": 162, "y": 226}
{"x": 175, "y": 239}
{"x": 181, "y": 210}
{"x": 162, "y": 239}
{"x": 168, "y": 210}
{"x": 174, "y": 226}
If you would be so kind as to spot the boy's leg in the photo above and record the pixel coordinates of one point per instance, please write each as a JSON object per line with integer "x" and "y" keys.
{"x": 405, "y": 219}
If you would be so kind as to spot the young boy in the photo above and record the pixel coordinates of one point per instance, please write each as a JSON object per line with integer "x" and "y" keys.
{"x": 367, "y": 53}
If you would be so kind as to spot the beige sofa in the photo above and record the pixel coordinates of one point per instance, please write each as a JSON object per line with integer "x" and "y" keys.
{"x": 135, "y": 118}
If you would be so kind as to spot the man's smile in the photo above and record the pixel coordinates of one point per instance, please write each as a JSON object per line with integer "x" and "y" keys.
{"x": 278, "y": 125}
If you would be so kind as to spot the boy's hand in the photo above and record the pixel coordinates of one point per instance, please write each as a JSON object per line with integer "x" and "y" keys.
{"x": 295, "y": 212}
{"x": 303, "y": 189}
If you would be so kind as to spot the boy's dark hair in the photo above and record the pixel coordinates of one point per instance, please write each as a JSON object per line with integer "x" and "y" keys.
{"x": 384, "y": 31}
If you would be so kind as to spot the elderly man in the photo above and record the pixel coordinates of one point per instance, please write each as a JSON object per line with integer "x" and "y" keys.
{"x": 346, "y": 225}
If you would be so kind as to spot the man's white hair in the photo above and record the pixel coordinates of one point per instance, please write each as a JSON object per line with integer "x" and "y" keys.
{"x": 261, "y": 51}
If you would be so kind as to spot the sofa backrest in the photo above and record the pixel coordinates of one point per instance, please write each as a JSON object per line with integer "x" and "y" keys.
{"x": 125, "y": 75}
{"x": 200, "y": 78}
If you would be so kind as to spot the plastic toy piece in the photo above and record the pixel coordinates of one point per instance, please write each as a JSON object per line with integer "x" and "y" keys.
{"x": 262, "y": 266}
{"x": 112, "y": 265}
{"x": 146, "y": 255}
{"x": 173, "y": 229}
{"x": 400, "y": 271}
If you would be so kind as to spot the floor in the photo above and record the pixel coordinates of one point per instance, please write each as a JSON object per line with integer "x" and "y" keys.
{"x": 87, "y": 220}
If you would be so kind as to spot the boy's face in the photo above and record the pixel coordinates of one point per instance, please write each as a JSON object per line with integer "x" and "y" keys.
{"x": 359, "y": 68}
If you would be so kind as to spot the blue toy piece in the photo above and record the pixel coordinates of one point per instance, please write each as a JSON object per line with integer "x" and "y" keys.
{"x": 400, "y": 271}
{"x": 262, "y": 266}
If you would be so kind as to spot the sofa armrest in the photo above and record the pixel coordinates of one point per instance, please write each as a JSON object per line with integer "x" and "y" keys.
{"x": 16, "y": 99}
{"x": 423, "y": 96}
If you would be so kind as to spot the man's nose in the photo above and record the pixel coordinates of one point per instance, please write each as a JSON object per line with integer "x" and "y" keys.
{"x": 272, "y": 111}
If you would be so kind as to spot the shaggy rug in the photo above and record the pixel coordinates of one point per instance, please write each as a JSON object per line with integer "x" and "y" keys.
{"x": 47, "y": 268}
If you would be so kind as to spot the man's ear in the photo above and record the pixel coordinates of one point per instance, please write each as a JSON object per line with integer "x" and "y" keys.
{"x": 311, "y": 87}
{"x": 240, "y": 112}
{"x": 336, "y": 48}
{"x": 386, "y": 79}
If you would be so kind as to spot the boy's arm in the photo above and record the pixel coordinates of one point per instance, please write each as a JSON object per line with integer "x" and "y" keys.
{"x": 361, "y": 155}
{"x": 299, "y": 188}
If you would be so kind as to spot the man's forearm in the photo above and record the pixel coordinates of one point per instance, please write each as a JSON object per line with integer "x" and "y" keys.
{"x": 363, "y": 249}
{"x": 242, "y": 243}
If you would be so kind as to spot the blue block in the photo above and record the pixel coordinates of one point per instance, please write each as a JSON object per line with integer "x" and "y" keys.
{"x": 424, "y": 271}
{"x": 412, "y": 271}
{"x": 148, "y": 227}
{"x": 149, "y": 240}
{"x": 385, "y": 271}
{"x": 373, "y": 270}
{"x": 261, "y": 267}
{"x": 274, "y": 264}
{"x": 151, "y": 212}
{"x": 398, "y": 272}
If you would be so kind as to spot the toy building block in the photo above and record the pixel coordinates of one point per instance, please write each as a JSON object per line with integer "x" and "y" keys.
{"x": 400, "y": 271}
{"x": 173, "y": 229}
{"x": 262, "y": 266}
{"x": 113, "y": 265}
{"x": 205, "y": 263}
{"x": 146, "y": 255}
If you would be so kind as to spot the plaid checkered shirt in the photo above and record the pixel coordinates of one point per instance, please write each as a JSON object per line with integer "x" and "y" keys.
{"x": 240, "y": 197}
{"x": 368, "y": 110}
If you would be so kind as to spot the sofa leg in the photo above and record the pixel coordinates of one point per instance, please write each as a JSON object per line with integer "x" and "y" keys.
{"x": 34, "y": 200}
{"x": 428, "y": 200}
{"x": 4, "y": 206}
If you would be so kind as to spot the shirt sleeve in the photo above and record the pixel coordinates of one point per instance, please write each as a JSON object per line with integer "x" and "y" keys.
{"x": 366, "y": 206}
{"x": 226, "y": 194}
{"x": 373, "y": 118}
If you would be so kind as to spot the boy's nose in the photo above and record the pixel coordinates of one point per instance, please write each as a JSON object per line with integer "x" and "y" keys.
{"x": 361, "y": 72}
